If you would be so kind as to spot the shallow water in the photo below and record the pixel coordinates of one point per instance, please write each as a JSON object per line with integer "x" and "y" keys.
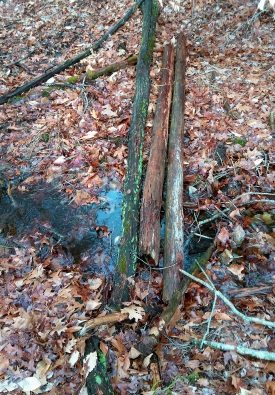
{"x": 43, "y": 218}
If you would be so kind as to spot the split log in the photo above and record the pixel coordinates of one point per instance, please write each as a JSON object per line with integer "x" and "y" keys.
{"x": 149, "y": 235}
{"x": 173, "y": 241}
{"x": 70, "y": 62}
{"x": 126, "y": 262}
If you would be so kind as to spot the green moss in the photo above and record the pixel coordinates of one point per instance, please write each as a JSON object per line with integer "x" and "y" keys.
{"x": 102, "y": 359}
{"x": 46, "y": 92}
{"x": 239, "y": 141}
{"x": 15, "y": 98}
{"x": 45, "y": 137}
{"x": 98, "y": 380}
{"x": 193, "y": 378}
{"x": 90, "y": 75}
{"x": 127, "y": 226}
{"x": 73, "y": 79}
{"x": 122, "y": 265}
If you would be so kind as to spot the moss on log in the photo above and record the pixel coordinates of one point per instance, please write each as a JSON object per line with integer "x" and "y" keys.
{"x": 70, "y": 62}
{"x": 126, "y": 263}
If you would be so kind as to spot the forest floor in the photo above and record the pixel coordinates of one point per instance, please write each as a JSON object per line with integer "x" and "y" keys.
{"x": 63, "y": 149}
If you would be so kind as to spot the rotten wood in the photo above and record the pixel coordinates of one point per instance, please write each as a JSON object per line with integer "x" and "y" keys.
{"x": 70, "y": 62}
{"x": 149, "y": 235}
{"x": 173, "y": 241}
{"x": 126, "y": 262}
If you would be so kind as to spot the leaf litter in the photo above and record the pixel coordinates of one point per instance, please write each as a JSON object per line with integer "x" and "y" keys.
{"x": 75, "y": 139}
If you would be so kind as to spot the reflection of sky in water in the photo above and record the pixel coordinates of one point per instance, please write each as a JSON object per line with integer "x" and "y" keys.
{"x": 110, "y": 214}
{"x": 43, "y": 210}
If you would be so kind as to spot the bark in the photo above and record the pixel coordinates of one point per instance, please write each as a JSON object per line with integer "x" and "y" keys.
{"x": 70, "y": 62}
{"x": 175, "y": 300}
{"x": 126, "y": 262}
{"x": 173, "y": 242}
{"x": 149, "y": 235}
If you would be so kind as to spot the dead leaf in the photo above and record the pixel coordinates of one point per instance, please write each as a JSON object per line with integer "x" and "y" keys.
{"x": 237, "y": 270}
{"x": 238, "y": 235}
{"x": 108, "y": 111}
{"x": 29, "y": 384}
{"x": 135, "y": 312}
{"x": 89, "y": 363}
{"x": 270, "y": 386}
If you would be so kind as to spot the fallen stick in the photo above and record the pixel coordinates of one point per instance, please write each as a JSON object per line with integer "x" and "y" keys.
{"x": 245, "y": 292}
{"x": 112, "y": 318}
{"x": 112, "y": 68}
{"x": 260, "y": 354}
{"x": 70, "y": 62}
{"x": 149, "y": 234}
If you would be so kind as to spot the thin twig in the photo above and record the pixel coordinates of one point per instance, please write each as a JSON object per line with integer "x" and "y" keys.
{"x": 260, "y": 354}
{"x": 209, "y": 320}
{"x": 233, "y": 203}
{"x": 229, "y": 304}
{"x": 16, "y": 62}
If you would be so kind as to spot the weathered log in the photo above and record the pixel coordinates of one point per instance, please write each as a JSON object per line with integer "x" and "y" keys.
{"x": 149, "y": 235}
{"x": 173, "y": 241}
{"x": 70, "y": 62}
{"x": 126, "y": 262}
{"x": 195, "y": 269}
{"x": 93, "y": 74}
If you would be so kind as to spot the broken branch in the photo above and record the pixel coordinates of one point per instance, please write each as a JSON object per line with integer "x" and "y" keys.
{"x": 70, "y": 62}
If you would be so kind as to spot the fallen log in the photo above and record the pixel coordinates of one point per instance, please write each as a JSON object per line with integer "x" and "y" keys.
{"x": 173, "y": 241}
{"x": 126, "y": 261}
{"x": 149, "y": 234}
{"x": 70, "y": 62}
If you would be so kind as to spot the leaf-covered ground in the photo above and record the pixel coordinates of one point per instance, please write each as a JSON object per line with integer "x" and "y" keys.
{"x": 74, "y": 136}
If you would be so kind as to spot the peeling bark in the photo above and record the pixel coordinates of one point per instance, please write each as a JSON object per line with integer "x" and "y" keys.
{"x": 173, "y": 243}
{"x": 149, "y": 235}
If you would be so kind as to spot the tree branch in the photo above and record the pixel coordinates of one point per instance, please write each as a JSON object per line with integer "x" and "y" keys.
{"x": 70, "y": 62}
